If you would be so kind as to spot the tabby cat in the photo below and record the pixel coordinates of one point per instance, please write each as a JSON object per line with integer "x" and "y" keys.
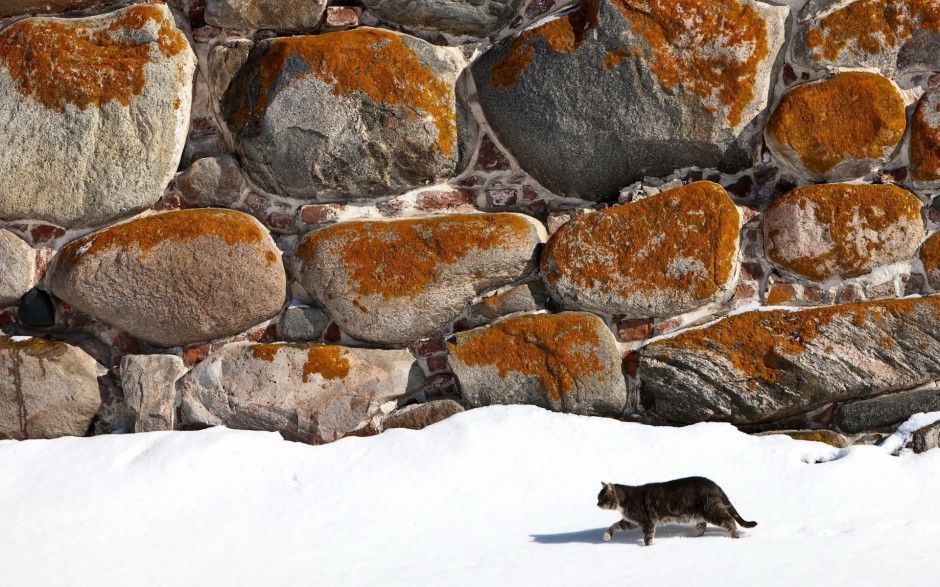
{"x": 693, "y": 500}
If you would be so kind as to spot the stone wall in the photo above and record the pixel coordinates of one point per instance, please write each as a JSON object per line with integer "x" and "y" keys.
{"x": 328, "y": 218}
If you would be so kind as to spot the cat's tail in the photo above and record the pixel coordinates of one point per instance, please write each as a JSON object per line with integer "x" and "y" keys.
{"x": 737, "y": 517}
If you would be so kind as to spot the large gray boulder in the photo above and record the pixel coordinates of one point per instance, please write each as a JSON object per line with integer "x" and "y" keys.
{"x": 149, "y": 384}
{"x": 661, "y": 256}
{"x": 597, "y": 99}
{"x": 279, "y": 15}
{"x": 311, "y": 393}
{"x": 92, "y": 131}
{"x": 17, "y": 268}
{"x": 393, "y": 282}
{"x": 176, "y": 278}
{"x": 893, "y": 36}
{"x": 566, "y": 362}
{"x": 887, "y": 410}
{"x": 354, "y": 114}
{"x": 48, "y": 389}
{"x": 15, "y": 7}
{"x": 761, "y": 366}
{"x": 477, "y": 18}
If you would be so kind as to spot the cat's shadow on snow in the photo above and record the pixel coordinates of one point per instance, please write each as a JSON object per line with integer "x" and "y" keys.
{"x": 596, "y": 535}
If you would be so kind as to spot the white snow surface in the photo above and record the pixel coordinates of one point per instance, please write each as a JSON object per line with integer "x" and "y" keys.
{"x": 494, "y": 496}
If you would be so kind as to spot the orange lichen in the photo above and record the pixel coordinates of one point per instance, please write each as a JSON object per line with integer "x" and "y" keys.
{"x": 868, "y": 26}
{"x": 562, "y": 35}
{"x": 712, "y": 49}
{"x": 614, "y": 58}
{"x": 925, "y": 138}
{"x": 34, "y": 346}
{"x": 683, "y": 239}
{"x": 371, "y": 61}
{"x": 57, "y": 62}
{"x": 856, "y": 218}
{"x": 851, "y": 115}
{"x": 401, "y": 258}
{"x": 557, "y": 349}
{"x": 232, "y": 227}
{"x": 930, "y": 253}
{"x": 758, "y": 344}
{"x": 327, "y": 361}
{"x": 779, "y": 295}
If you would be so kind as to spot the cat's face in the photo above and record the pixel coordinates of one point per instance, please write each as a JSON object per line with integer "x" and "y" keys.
{"x": 607, "y": 498}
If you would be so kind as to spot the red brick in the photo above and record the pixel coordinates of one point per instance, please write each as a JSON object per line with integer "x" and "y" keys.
{"x": 280, "y": 221}
{"x": 631, "y": 363}
{"x": 667, "y": 325}
{"x": 195, "y": 354}
{"x": 320, "y": 213}
{"x": 489, "y": 157}
{"x": 444, "y": 200}
{"x": 332, "y": 333}
{"x": 913, "y": 283}
{"x": 502, "y": 198}
{"x": 127, "y": 345}
{"x": 437, "y": 363}
{"x": 44, "y": 233}
{"x": 341, "y": 17}
{"x": 850, "y": 293}
{"x": 632, "y": 330}
{"x": 752, "y": 270}
{"x": 428, "y": 347}
{"x": 744, "y": 292}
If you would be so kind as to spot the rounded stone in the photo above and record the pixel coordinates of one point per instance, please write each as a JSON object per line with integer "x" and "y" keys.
{"x": 842, "y": 230}
{"x": 308, "y": 392}
{"x": 660, "y": 256}
{"x": 478, "y": 18}
{"x": 842, "y": 127}
{"x": 48, "y": 389}
{"x": 566, "y": 362}
{"x": 394, "y": 282}
{"x": 94, "y": 114}
{"x": 176, "y": 278}
{"x": 621, "y": 89}
{"x": 15, "y": 7}
{"x": 925, "y": 138}
{"x": 17, "y": 268}
{"x": 930, "y": 258}
{"x": 354, "y": 114}
{"x": 278, "y": 15}
{"x": 893, "y": 36}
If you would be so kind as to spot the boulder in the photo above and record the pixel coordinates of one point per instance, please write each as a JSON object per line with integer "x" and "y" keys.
{"x": 660, "y": 256}
{"x": 842, "y": 127}
{"x": 278, "y": 15}
{"x": 477, "y": 18}
{"x": 393, "y": 282}
{"x": 761, "y": 366}
{"x": 925, "y": 137}
{"x": 566, "y": 362}
{"x": 893, "y": 36}
{"x": 149, "y": 384}
{"x": 49, "y": 389}
{"x": 364, "y": 113}
{"x": 224, "y": 60}
{"x": 842, "y": 230}
{"x": 212, "y": 181}
{"x": 622, "y": 89}
{"x": 418, "y": 416}
{"x": 887, "y": 410}
{"x": 16, "y": 7}
{"x": 17, "y": 268}
{"x": 302, "y": 323}
{"x": 176, "y": 278}
{"x": 94, "y": 114}
{"x": 310, "y": 393}
{"x": 926, "y": 438}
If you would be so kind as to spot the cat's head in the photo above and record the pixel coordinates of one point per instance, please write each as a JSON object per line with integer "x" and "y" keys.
{"x": 607, "y": 498}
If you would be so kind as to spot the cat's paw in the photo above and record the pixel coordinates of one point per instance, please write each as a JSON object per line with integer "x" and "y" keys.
{"x": 607, "y": 536}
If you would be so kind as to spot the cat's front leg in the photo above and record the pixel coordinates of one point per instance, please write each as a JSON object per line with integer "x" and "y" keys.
{"x": 618, "y": 527}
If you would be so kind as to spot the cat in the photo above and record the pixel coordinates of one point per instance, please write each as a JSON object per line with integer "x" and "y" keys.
{"x": 693, "y": 500}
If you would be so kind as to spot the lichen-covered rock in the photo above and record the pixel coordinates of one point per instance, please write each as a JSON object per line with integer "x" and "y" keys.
{"x": 17, "y": 268}
{"x": 353, "y": 114}
{"x": 657, "y": 257}
{"x": 393, "y": 282}
{"x": 528, "y": 297}
{"x": 765, "y": 365}
{"x": 48, "y": 389}
{"x": 566, "y": 362}
{"x": 212, "y": 181}
{"x": 930, "y": 258}
{"x": 838, "y": 128}
{"x": 827, "y": 436}
{"x": 279, "y": 15}
{"x": 842, "y": 230}
{"x": 93, "y": 114}
{"x": 311, "y": 393}
{"x": 175, "y": 278}
{"x": 16, "y": 7}
{"x": 621, "y": 89}
{"x": 477, "y": 18}
{"x": 887, "y": 410}
{"x": 149, "y": 385}
{"x": 420, "y": 416}
{"x": 893, "y": 36}
{"x": 925, "y": 137}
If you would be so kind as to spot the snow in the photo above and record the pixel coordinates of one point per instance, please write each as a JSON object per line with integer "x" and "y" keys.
{"x": 493, "y": 496}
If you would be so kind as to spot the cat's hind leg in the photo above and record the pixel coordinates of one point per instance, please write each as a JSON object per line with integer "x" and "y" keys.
{"x": 618, "y": 527}
{"x": 648, "y": 530}
{"x": 700, "y": 528}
